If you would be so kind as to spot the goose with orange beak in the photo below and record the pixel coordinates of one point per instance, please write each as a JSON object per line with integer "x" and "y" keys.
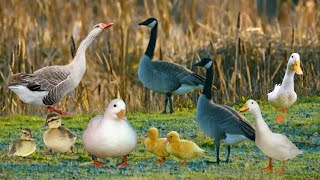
{"x": 110, "y": 135}
{"x": 275, "y": 146}
{"x": 283, "y": 96}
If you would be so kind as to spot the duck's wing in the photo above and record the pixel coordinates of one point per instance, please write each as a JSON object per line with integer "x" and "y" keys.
{"x": 273, "y": 94}
{"x": 94, "y": 122}
{"x": 51, "y": 78}
{"x": 176, "y": 72}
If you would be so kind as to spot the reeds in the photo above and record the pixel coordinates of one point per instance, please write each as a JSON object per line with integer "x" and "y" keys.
{"x": 249, "y": 61}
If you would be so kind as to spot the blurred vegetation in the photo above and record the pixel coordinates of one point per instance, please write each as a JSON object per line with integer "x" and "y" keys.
{"x": 249, "y": 61}
{"x": 302, "y": 127}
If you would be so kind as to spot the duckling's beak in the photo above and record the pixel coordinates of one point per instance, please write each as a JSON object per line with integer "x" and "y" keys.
{"x": 122, "y": 115}
{"x": 297, "y": 68}
{"x": 45, "y": 125}
{"x": 165, "y": 142}
{"x": 244, "y": 108}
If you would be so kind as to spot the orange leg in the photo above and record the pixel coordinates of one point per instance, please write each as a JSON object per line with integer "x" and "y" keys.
{"x": 269, "y": 168}
{"x": 162, "y": 160}
{"x": 280, "y": 119}
{"x": 281, "y": 171}
{"x": 50, "y": 108}
{"x": 183, "y": 164}
{"x": 285, "y": 110}
{"x": 124, "y": 162}
{"x": 96, "y": 163}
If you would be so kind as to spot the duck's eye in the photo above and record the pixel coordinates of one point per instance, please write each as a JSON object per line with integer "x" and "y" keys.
{"x": 115, "y": 105}
{"x": 291, "y": 56}
{"x": 251, "y": 102}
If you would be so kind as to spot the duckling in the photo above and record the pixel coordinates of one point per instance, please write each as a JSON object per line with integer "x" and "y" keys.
{"x": 156, "y": 145}
{"x": 276, "y": 146}
{"x": 182, "y": 149}
{"x": 23, "y": 146}
{"x": 58, "y": 137}
{"x": 110, "y": 135}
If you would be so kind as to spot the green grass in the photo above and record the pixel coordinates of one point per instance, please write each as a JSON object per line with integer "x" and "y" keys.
{"x": 301, "y": 126}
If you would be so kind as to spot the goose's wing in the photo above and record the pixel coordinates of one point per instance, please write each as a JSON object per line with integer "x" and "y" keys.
{"x": 228, "y": 121}
{"x": 176, "y": 72}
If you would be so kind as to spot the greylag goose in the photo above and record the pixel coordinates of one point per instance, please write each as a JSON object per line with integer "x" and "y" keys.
{"x": 220, "y": 122}
{"x": 283, "y": 96}
{"x": 165, "y": 77}
{"x": 48, "y": 85}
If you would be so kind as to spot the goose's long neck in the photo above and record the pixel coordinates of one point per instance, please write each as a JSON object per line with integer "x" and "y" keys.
{"x": 261, "y": 125}
{"x": 208, "y": 83}
{"x": 288, "y": 79}
{"x": 152, "y": 42}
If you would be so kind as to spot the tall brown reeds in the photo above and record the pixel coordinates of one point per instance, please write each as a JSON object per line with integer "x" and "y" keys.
{"x": 249, "y": 58}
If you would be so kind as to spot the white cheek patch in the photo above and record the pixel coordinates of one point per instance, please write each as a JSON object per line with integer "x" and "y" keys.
{"x": 152, "y": 24}
{"x": 208, "y": 65}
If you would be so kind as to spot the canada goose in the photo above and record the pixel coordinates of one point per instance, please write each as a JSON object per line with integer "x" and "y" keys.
{"x": 110, "y": 135}
{"x": 220, "y": 122}
{"x": 182, "y": 149}
{"x": 165, "y": 77}
{"x": 58, "y": 137}
{"x": 283, "y": 96}
{"x": 48, "y": 85}
{"x": 156, "y": 145}
{"x": 274, "y": 145}
{"x": 23, "y": 146}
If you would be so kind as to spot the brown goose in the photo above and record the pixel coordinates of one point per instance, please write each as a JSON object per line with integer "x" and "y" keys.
{"x": 48, "y": 85}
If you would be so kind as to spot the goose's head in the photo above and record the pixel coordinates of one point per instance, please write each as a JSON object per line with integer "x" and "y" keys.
{"x": 294, "y": 63}
{"x": 205, "y": 62}
{"x": 153, "y": 133}
{"x": 25, "y": 134}
{"x": 250, "y": 105}
{"x": 116, "y": 109}
{"x": 173, "y": 136}
{"x": 98, "y": 28}
{"x": 150, "y": 22}
{"x": 52, "y": 121}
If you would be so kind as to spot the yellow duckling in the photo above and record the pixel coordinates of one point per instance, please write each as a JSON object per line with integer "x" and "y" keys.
{"x": 182, "y": 149}
{"x": 155, "y": 145}
{"x": 58, "y": 137}
{"x": 23, "y": 146}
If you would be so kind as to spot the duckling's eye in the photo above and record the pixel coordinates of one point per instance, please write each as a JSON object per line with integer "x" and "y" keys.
{"x": 171, "y": 136}
{"x": 115, "y": 105}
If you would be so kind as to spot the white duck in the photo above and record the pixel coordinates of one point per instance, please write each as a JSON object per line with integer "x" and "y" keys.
{"x": 283, "y": 96}
{"x": 48, "y": 85}
{"x": 274, "y": 145}
{"x": 110, "y": 135}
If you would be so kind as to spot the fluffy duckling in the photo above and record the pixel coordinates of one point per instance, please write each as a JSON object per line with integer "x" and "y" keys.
{"x": 58, "y": 137}
{"x": 110, "y": 135}
{"x": 283, "y": 96}
{"x": 276, "y": 146}
{"x": 23, "y": 146}
{"x": 182, "y": 149}
{"x": 155, "y": 145}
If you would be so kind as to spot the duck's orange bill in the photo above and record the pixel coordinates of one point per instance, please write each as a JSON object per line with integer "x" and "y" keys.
{"x": 244, "y": 108}
{"x": 122, "y": 115}
{"x": 297, "y": 68}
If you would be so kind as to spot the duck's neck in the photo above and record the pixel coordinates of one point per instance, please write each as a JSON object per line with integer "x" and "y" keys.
{"x": 208, "y": 83}
{"x": 152, "y": 42}
{"x": 261, "y": 125}
{"x": 288, "y": 79}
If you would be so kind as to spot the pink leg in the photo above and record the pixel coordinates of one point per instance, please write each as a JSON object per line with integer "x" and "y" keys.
{"x": 50, "y": 108}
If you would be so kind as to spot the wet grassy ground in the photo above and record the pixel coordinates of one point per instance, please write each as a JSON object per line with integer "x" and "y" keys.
{"x": 302, "y": 127}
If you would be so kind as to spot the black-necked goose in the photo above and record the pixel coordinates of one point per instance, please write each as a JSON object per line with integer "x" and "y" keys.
{"x": 48, "y": 85}
{"x": 165, "y": 77}
{"x": 222, "y": 123}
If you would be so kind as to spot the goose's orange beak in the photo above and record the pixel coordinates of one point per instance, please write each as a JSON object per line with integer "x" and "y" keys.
{"x": 244, "y": 108}
{"x": 122, "y": 115}
{"x": 297, "y": 68}
{"x": 106, "y": 26}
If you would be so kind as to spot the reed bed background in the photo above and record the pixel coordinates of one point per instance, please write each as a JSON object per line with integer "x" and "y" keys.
{"x": 250, "y": 49}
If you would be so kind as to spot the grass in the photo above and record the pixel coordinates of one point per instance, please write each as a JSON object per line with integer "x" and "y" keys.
{"x": 302, "y": 127}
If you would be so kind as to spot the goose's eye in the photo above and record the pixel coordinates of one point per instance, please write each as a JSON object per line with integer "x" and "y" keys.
{"x": 114, "y": 105}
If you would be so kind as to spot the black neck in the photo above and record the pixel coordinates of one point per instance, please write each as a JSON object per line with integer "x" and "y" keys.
{"x": 152, "y": 42}
{"x": 208, "y": 83}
